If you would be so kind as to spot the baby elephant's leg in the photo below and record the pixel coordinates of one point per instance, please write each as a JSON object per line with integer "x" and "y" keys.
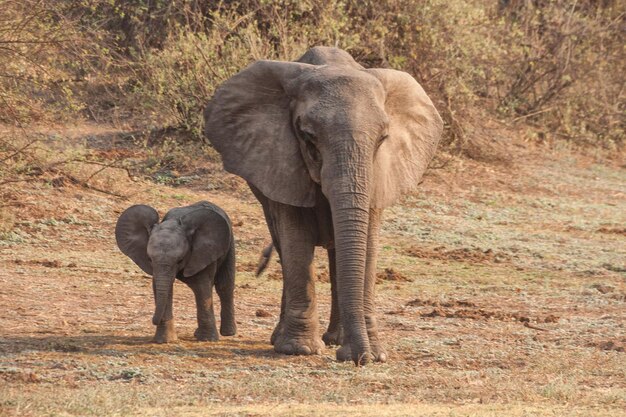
{"x": 202, "y": 286}
{"x": 225, "y": 287}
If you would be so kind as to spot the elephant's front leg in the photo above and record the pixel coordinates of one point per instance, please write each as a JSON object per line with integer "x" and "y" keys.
{"x": 279, "y": 327}
{"x": 334, "y": 334}
{"x": 298, "y": 330}
{"x": 165, "y": 332}
{"x": 202, "y": 287}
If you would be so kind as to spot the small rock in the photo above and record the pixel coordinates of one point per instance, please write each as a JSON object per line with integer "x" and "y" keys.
{"x": 611, "y": 345}
{"x": 551, "y": 318}
{"x": 391, "y": 274}
{"x": 603, "y": 288}
{"x": 30, "y": 377}
{"x": 437, "y": 312}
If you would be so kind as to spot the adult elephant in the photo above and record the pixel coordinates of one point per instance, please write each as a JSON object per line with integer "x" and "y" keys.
{"x": 325, "y": 145}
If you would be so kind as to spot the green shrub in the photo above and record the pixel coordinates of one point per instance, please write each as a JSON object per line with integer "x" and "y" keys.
{"x": 178, "y": 79}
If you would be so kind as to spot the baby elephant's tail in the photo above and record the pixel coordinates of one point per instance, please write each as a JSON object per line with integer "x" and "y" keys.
{"x": 266, "y": 255}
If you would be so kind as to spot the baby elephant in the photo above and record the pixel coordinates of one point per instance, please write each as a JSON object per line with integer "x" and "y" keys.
{"x": 194, "y": 244}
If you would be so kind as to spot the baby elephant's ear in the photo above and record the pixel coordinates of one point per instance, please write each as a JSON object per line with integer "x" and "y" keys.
{"x": 132, "y": 232}
{"x": 210, "y": 235}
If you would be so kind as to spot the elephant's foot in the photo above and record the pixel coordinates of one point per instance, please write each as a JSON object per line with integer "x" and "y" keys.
{"x": 297, "y": 335}
{"x": 278, "y": 331}
{"x": 333, "y": 337}
{"x": 376, "y": 354}
{"x": 298, "y": 345}
{"x": 165, "y": 333}
{"x": 379, "y": 353}
{"x": 206, "y": 334}
{"x": 228, "y": 329}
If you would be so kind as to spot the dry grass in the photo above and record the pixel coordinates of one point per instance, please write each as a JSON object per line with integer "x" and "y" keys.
{"x": 534, "y": 327}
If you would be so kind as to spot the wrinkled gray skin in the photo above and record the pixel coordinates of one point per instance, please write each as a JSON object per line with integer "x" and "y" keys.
{"x": 325, "y": 145}
{"x": 194, "y": 244}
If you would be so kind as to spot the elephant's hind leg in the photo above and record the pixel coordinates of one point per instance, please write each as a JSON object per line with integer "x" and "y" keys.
{"x": 298, "y": 331}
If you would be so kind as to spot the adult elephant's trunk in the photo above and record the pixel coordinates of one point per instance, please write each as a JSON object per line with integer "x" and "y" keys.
{"x": 163, "y": 287}
{"x": 348, "y": 194}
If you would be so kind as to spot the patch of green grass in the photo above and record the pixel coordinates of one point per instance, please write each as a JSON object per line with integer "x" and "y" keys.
{"x": 11, "y": 238}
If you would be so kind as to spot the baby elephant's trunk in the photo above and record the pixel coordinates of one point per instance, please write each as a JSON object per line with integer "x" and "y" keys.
{"x": 163, "y": 291}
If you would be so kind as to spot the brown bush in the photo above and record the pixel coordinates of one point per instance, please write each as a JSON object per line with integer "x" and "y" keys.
{"x": 552, "y": 65}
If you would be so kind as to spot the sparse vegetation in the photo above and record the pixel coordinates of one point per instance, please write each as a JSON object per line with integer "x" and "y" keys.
{"x": 507, "y": 308}
{"x": 553, "y": 65}
{"x": 539, "y": 71}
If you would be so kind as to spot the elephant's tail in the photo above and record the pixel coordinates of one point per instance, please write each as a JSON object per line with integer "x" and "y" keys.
{"x": 266, "y": 255}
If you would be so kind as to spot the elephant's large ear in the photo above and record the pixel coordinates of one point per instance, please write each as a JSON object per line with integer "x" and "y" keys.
{"x": 415, "y": 129}
{"x": 210, "y": 233}
{"x": 248, "y": 121}
{"x": 132, "y": 232}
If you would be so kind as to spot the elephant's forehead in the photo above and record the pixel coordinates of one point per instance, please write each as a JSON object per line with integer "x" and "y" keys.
{"x": 344, "y": 98}
{"x": 168, "y": 226}
{"x": 343, "y": 83}
{"x": 167, "y": 237}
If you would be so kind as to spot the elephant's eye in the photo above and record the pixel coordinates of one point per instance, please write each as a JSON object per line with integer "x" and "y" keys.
{"x": 312, "y": 151}
{"x": 381, "y": 139}
{"x": 306, "y": 136}
{"x": 302, "y": 134}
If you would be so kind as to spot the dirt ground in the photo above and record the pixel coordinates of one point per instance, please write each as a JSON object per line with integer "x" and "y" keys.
{"x": 501, "y": 292}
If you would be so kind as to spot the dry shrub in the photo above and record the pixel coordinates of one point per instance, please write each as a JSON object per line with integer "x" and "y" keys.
{"x": 562, "y": 65}
{"x": 554, "y": 65}
{"x": 534, "y": 62}
{"x": 178, "y": 78}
